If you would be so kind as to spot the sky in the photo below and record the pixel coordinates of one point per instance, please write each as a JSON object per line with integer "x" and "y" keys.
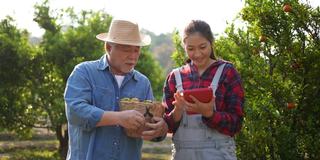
{"x": 158, "y": 16}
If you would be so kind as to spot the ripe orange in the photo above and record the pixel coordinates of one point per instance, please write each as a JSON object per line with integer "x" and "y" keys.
{"x": 287, "y": 8}
{"x": 291, "y": 105}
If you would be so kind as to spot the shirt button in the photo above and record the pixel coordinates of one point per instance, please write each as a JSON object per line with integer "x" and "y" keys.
{"x": 115, "y": 143}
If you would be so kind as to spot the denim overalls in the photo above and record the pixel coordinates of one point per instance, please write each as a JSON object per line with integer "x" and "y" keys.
{"x": 194, "y": 140}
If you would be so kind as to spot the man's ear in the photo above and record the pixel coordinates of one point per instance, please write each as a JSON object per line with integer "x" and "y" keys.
{"x": 107, "y": 47}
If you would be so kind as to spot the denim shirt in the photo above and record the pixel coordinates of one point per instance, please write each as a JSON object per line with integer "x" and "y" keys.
{"x": 92, "y": 90}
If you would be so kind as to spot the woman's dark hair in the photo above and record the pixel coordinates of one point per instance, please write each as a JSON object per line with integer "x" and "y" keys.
{"x": 199, "y": 26}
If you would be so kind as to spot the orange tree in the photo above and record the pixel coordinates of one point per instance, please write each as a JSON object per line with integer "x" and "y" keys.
{"x": 276, "y": 49}
{"x": 33, "y": 77}
{"x": 16, "y": 56}
{"x": 278, "y": 54}
{"x": 65, "y": 44}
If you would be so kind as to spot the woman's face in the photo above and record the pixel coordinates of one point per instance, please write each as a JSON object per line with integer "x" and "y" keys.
{"x": 198, "y": 49}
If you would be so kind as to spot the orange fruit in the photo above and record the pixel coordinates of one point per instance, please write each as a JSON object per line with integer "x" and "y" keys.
{"x": 287, "y": 8}
{"x": 291, "y": 105}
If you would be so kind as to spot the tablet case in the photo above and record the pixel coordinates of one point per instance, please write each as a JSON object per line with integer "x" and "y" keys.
{"x": 202, "y": 94}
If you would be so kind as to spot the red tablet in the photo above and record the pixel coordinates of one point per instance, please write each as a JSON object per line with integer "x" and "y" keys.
{"x": 202, "y": 94}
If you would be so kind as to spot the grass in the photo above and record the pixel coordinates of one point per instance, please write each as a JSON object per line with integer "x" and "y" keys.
{"x": 157, "y": 151}
{"x": 29, "y": 150}
{"x": 46, "y": 149}
{"x": 32, "y": 154}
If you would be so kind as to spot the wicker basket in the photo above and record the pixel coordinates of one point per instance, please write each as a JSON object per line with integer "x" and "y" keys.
{"x": 148, "y": 109}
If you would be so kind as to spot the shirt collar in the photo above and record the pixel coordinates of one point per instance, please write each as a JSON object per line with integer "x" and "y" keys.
{"x": 217, "y": 63}
{"x": 104, "y": 65}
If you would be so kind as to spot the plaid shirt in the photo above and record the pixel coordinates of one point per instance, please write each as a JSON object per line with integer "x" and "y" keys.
{"x": 229, "y": 96}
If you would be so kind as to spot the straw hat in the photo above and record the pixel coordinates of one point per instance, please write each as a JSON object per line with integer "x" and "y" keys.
{"x": 125, "y": 32}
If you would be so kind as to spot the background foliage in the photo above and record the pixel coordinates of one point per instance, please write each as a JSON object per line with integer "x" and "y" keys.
{"x": 275, "y": 50}
{"x": 33, "y": 77}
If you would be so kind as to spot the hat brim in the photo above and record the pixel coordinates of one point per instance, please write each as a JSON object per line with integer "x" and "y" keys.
{"x": 145, "y": 40}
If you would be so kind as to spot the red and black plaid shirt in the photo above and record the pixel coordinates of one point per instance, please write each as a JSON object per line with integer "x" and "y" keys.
{"x": 229, "y": 96}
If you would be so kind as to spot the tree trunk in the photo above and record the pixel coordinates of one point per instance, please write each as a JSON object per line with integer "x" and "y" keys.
{"x": 62, "y": 136}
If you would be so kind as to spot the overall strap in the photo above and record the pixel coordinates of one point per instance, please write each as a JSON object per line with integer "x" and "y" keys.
{"x": 178, "y": 79}
{"x": 180, "y": 89}
{"x": 215, "y": 80}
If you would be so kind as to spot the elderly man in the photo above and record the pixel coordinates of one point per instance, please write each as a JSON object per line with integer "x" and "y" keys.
{"x": 94, "y": 88}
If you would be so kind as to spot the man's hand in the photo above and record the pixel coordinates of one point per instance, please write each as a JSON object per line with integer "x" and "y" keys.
{"x": 131, "y": 119}
{"x": 158, "y": 129}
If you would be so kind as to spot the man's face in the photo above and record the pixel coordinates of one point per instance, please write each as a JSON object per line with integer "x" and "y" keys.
{"x": 122, "y": 58}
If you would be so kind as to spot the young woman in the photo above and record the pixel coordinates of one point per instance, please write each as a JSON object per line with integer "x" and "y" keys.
{"x": 203, "y": 130}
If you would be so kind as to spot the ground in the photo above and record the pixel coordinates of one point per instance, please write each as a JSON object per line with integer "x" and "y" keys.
{"x": 43, "y": 146}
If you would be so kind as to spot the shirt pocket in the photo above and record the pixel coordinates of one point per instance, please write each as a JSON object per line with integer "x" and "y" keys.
{"x": 103, "y": 98}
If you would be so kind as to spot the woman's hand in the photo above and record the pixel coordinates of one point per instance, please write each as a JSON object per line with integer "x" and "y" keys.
{"x": 179, "y": 104}
{"x": 206, "y": 109}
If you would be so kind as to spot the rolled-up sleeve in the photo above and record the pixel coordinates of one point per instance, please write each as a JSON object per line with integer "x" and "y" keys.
{"x": 78, "y": 98}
